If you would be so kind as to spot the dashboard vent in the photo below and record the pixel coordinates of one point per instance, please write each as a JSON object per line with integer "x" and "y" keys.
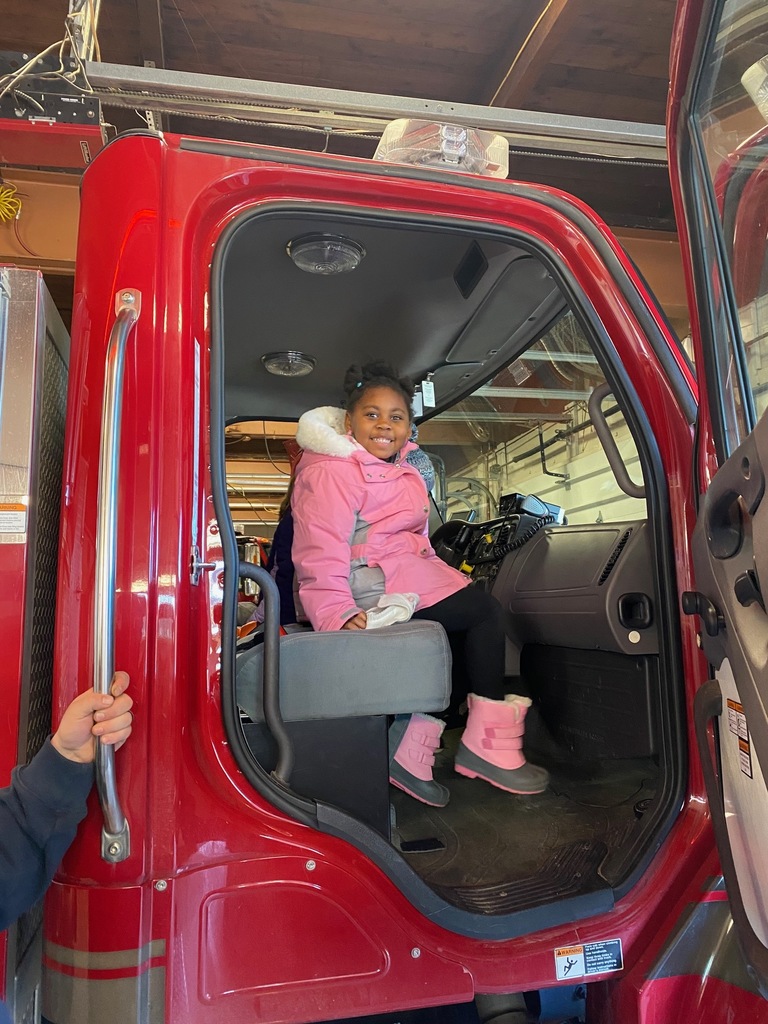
{"x": 614, "y": 557}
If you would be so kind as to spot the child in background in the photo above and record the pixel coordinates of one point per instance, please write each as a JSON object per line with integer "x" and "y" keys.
{"x": 360, "y": 531}
{"x": 280, "y": 563}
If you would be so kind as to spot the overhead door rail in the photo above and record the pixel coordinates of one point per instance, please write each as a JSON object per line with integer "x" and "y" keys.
{"x": 241, "y": 99}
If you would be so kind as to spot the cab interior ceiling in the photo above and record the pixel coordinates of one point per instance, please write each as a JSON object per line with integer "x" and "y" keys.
{"x": 417, "y": 300}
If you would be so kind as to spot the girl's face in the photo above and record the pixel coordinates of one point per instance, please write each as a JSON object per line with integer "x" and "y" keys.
{"x": 380, "y": 422}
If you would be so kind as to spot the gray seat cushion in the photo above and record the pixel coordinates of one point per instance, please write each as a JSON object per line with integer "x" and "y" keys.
{"x": 353, "y": 673}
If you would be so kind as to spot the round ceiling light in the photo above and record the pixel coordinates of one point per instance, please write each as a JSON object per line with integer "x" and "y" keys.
{"x": 288, "y": 364}
{"x": 325, "y": 254}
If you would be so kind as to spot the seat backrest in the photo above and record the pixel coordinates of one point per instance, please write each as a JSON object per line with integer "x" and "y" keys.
{"x": 353, "y": 673}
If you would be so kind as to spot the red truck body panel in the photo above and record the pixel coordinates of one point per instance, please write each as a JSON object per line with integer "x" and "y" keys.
{"x": 217, "y": 907}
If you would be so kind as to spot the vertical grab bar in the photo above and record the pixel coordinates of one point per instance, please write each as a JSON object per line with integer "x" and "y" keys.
{"x": 115, "y": 835}
{"x": 271, "y": 673}
{"x": 611, "y": 449}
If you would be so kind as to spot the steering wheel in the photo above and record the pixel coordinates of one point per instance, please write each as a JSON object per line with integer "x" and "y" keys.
{"x": 444, "y": 538}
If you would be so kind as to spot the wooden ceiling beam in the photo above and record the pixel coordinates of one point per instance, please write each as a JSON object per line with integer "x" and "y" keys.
{"x": 150, "y": 21}
{"x": 519, "y": 68}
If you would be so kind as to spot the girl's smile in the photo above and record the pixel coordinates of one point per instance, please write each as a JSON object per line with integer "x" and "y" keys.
{"x": 380, "y": 422}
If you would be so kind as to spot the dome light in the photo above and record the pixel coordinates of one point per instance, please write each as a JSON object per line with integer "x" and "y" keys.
{"x": 325, "y": 254}
{"x": 288, "y": 364}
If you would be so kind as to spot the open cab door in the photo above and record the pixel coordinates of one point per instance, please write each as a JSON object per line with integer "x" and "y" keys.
{"x": 719, "y": 162}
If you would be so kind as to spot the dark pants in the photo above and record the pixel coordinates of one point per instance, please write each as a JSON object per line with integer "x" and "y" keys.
{"x": 474, "y": 622}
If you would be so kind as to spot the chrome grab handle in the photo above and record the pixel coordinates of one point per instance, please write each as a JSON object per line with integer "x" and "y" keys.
{"x": 115, "y": 835}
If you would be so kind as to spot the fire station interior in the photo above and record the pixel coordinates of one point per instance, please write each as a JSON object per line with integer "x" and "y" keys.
{"x": 546, "y": 491}
{"x": 545, "y": 494}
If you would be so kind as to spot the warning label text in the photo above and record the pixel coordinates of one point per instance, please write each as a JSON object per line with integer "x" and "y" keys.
{"x": 591, "y": 958}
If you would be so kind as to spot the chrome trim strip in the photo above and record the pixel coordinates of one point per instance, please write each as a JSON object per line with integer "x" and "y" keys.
{"x": 68, "y": 957}
{"x": 68, "y": 999}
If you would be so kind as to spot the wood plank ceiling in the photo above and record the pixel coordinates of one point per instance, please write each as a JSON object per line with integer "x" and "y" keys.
{"x": 575, "y": 57}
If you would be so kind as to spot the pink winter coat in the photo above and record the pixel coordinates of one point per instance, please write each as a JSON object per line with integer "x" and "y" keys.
{"x": 360, "y": 526}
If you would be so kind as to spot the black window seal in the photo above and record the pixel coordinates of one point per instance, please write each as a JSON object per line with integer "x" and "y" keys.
{"x": 700, "y": 208}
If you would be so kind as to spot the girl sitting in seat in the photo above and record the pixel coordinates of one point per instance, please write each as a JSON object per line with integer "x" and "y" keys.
{"x": 360, "y": 531}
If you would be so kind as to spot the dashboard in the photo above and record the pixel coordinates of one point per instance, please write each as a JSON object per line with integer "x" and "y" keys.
{"x": 586, "y": 586}
{"x": 479, "y": 548}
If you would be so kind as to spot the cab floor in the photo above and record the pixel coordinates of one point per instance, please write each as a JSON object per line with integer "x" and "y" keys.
{"x": 485, "y": 840}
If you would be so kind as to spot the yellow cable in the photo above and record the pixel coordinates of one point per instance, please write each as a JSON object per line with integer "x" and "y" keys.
{"x": 10, "y": 204}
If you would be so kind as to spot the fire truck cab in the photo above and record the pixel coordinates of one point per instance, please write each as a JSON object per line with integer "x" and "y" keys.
{"x": 244, "y": 858}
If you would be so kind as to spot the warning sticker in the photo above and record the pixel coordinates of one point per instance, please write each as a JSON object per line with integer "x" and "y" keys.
{"x": 737, "y": 720}
{"x": 13, "y": 517}
{"x": 591, "y": 958}
{"x": 737, "y": 724}
{"x": 745, "y": 757}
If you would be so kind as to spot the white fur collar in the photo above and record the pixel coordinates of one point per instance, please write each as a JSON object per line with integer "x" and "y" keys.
{"x": 322, "y": 430}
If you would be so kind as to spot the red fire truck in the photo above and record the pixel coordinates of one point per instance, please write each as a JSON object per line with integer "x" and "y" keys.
{"x": 244, "y": 859}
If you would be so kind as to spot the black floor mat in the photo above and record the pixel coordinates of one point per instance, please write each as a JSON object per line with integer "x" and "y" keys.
{"x": 499, "y": 852}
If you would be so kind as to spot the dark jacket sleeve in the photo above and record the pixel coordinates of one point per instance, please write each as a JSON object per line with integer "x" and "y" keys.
{"x": 283, "y": 563}
{"x": 39, "y": 815}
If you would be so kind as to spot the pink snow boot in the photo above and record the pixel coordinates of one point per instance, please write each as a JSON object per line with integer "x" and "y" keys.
{"x": 491, "y": 747}
{"x": 412, "y": 745}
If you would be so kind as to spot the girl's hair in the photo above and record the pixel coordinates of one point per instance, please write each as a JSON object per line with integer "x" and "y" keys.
{"x": 285, "y": 504}
{"x": 359, "y": 379}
